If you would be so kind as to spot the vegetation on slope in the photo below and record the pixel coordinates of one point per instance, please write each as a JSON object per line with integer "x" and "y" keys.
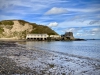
{"x": 22, "y": 22}
{"x": 36, "y": 29}
{"x": 39, "y": 29}
{"x": 6, "y": 22}
{"x": 1, "y": 30}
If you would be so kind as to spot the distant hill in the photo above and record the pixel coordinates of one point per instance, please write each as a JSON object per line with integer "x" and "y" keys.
{"x": 18, "y": 29}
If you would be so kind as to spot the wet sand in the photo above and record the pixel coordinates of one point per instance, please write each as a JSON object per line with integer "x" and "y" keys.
{"x": 40, "y": 62}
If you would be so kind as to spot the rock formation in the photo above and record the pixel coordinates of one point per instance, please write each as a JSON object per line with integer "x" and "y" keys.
{"x": 68, "y": 36}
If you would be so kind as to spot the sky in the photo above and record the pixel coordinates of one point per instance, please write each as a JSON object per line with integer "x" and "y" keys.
{"x": 82, "y": 17}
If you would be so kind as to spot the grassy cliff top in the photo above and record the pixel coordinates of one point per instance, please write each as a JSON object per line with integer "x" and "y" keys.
{"x": 6, "y": 22}
{"x": 37, "y": 29}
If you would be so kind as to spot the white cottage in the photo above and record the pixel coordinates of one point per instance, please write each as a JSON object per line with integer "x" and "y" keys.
{"x": 37, "y": 36}
{"x": 55, "y": 36}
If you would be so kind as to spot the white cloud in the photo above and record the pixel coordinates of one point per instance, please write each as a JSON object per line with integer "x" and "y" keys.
{"x": 81, "y": 18}
{"x": 71, "y": 30}
{"x": 95, "y": 22}
{"x": 56, "y": 10}
{"x": 96, "y": 29}
{"x": 92, "y": 34}
{"x": 84, "y": 10}
{"x": 5, "y": 17}
{"x": 79, "y": 34}
{"x": 53, "y": 24}
{"x": 66, "y": 24}
{"x": 98, "y": 16}
{"x": 33, "y": 5}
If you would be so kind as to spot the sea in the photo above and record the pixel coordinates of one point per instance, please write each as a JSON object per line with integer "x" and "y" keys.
{"x": 88, "y": 48}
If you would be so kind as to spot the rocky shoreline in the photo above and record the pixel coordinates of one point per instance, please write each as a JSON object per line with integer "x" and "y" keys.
{"x": 18, "y": 59}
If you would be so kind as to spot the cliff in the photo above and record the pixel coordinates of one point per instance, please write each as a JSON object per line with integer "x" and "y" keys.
{"x": 18, "y": 29}
{"x": 68, "y": 36}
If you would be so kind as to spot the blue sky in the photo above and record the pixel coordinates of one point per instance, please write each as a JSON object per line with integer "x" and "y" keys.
{"x": 82, "y": 17}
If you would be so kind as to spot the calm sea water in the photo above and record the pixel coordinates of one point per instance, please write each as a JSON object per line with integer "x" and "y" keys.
{"x": 89, "y": 48}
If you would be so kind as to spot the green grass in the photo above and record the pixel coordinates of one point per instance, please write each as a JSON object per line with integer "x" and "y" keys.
{"x": 6, "y": 22}
{"x": 0, "y": 23}
{"x": 40, "y": 29}
{"x": 22, "y": 22}
{"x": 1, "y": 30}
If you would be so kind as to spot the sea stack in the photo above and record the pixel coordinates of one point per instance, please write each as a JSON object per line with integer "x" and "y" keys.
{"x": 68, "y": 36}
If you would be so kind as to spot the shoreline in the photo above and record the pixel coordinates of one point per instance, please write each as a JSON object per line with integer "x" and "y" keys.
{"x": 49, "y": 62}
{"x": 11, "y": 40}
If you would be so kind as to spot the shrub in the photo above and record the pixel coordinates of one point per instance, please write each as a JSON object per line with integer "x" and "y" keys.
{"x": 1, "y": 30}
{"x": 22, "y": 22}
{"x": 7, "y": 22}
{"x": 39, "y": 29}
{"x": 0, "y": 23}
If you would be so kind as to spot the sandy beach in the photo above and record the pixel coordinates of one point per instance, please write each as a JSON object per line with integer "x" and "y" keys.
{"x": 22, "y": 60}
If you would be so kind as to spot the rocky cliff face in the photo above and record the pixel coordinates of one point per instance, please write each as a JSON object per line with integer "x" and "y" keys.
{"x": 18, "y": 29}
{"x": 68, "y": 36}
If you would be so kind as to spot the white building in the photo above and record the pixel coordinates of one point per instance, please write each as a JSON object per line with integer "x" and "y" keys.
{"x": 55, "y": 36}
{"x": 37, "y": 36}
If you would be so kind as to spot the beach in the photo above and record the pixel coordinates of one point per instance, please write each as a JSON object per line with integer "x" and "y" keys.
{"x": 23, "y": 60}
